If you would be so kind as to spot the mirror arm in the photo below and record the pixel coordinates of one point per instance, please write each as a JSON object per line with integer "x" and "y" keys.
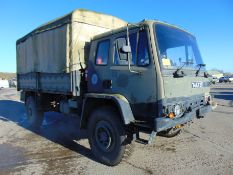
{"x": 128, "y": 43}
{"x": 127, "y": 34}
{"x": 129, "y": 66}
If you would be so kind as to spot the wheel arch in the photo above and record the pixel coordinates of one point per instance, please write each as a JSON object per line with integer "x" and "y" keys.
{"x": 93, "y": 101}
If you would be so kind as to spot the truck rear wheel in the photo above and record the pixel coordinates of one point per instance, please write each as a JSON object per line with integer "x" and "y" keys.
{"x": 107, "y": 136}
{"x": 35, "y": 115}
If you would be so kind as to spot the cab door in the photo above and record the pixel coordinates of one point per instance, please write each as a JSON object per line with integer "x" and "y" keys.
{"x": 108, "y": 70}
{"x": 137, "y": 84}
{"x": 98, "y": 80}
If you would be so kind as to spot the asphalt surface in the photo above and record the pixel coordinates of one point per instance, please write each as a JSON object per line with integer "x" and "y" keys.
{"x": 204, "y": 147}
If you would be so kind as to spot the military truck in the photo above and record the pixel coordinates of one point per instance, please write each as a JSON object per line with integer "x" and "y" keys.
{"x": 121, "y": 79}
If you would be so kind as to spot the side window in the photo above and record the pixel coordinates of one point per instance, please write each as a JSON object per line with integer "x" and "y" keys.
{"x": 120, "y": 57}
{"x": 102, "y": 52}
{"x": 143, "y": 49}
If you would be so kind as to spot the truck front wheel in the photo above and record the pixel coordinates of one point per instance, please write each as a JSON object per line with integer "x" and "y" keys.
{"x": 34, "y": 113}
{"x": 107, "y": 136}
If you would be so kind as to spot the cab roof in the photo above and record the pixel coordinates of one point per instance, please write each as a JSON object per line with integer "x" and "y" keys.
{"x": 140, "y": 24}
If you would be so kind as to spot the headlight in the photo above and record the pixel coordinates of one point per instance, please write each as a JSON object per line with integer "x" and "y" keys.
{"x": 177, "y": 110}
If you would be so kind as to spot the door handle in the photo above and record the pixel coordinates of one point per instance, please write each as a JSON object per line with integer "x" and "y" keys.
{"x": 107, "y": 84}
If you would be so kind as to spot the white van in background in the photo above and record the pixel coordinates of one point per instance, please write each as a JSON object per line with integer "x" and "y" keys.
{"x": 4, "y": 84}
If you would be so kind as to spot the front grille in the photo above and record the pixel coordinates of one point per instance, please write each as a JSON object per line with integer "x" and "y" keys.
{"x": 187, "y": 104}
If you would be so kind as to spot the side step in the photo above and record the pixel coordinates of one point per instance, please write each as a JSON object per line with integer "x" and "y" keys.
{"x": 143, "y": 141}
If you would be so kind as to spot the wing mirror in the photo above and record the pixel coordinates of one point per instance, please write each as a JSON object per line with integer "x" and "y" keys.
{"x": 126, "y": 49}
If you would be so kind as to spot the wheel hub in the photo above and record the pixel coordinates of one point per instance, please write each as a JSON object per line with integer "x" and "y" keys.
{"x": 103, "y": 135}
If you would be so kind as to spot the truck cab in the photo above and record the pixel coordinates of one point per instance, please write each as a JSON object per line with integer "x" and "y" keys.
{"x": 152, "y": 76}
{"x": 109, "y": 72}
{"x": 162, "y": 78}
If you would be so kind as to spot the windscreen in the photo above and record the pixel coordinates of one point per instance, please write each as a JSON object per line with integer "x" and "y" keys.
{"x": 176, "y": 48}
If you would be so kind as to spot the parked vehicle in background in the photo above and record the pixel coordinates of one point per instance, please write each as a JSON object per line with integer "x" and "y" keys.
{"x": 13, "y": 82}
{"x": 222, "y": 79}
{"x": 4, "y": 84}
{"x": 225, "y": 79}
{"x": 213, "y": 79}
{"x": 121, "y": 79}
{"x": 231, "y": 78}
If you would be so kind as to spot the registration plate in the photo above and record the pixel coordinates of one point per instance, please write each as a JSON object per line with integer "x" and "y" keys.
{"x": 197, "y": 84}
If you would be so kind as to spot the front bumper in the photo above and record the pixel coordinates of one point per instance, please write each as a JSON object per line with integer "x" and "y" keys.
{"x": 161, "y": 123}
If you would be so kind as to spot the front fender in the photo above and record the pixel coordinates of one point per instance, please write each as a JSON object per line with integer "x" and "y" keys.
{"x": 120, "y": 101}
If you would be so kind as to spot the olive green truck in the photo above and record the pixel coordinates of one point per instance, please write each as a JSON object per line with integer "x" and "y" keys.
{"x": 121, "y": 79}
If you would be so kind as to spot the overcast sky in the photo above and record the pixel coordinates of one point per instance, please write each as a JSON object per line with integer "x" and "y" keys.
{"x": 211, "y": 21}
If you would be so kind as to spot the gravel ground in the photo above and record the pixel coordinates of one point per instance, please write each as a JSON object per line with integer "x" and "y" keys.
{"x": 204, "y": 147}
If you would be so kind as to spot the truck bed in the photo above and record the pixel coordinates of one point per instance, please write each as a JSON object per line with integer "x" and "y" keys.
{"x": 56, "y": 83}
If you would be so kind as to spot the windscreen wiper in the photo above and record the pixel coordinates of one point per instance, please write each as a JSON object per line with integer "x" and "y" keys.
{"x": 200, "y": 66}
{"x": 177, "y": 73}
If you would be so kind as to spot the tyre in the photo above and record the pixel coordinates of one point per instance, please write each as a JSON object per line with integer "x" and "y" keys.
{"x": 34, "y": 114}
{"x": 172, "y": 132}
{"x": 107, "y": 136}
